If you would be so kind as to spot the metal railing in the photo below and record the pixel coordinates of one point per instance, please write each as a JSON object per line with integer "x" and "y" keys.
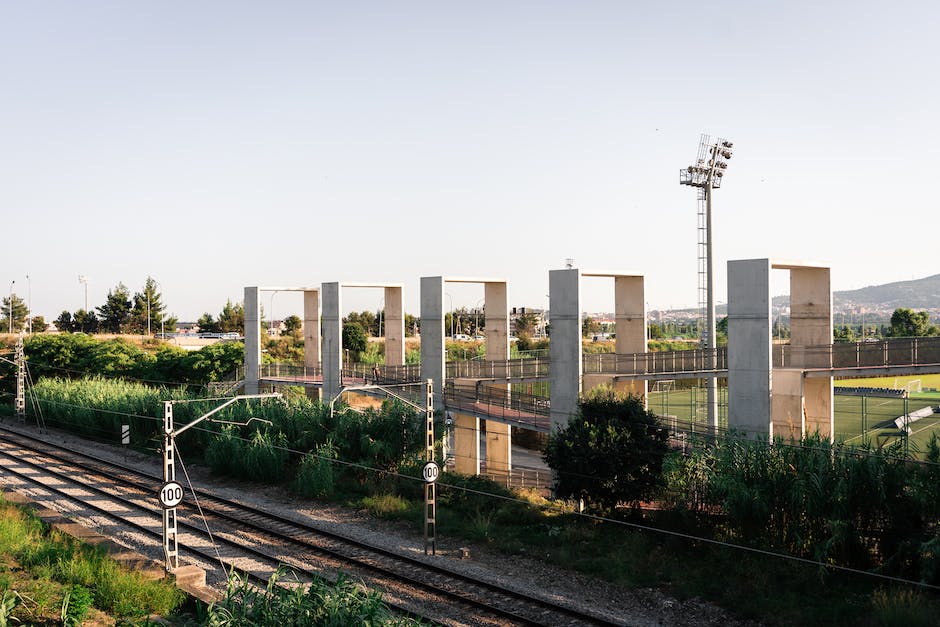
{"x": 526, "y": 368}
{"x": 297, "y": 372}
{"x": 513, "y": 407}
{"x": 895, "y": 352}
{"x": 655, "y": 363}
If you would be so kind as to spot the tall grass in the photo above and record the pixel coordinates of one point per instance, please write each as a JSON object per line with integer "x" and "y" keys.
{"x": 319, "y": 603}
{"x": 82, "y": 575}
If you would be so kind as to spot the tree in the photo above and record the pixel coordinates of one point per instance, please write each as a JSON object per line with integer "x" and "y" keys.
{"x": 908, "y": 323}
{"x": 590, "y": 326}
{"x": 14, "y": 305}
{"x": 232, "y": 318}
{"x": 116, "y": 311}
{"x": 85, "y": 322}
{"x": 525, "y": 324}
{"x": 355, "y": 339}
{"x": 38, "y": 324}
{"x": 412, "y": 325}
{"x": 64, "y": 322}
{"x": 610, "y": 453}
{"x": 147, "y": 303}
{"x": 844, "y": 333}
{"x": 207, "y": 324}
{"x": 292, "y": 325}
{"x": 365, "y": 319}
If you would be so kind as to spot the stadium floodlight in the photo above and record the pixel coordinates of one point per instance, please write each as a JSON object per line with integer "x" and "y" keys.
{"x": 706, "y": 174}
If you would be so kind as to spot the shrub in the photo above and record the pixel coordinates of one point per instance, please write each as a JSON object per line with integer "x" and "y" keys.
{"x": 610, "y": 453}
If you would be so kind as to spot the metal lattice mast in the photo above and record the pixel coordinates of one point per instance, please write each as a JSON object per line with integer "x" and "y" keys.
{"x": 706, "y": 175}
{"x": 430, "y": 489}
{"x": 20, "y": 402}
{"x": 702, "y": 261}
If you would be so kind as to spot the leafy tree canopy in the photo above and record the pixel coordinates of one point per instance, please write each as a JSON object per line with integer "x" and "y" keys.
{"x": 610, "y": 453}
{"x": 13, "y": 306}
{"x": 116, "y": 311}
{"x": 292, "y": 325}
{"x": 232, "y": 318}
{"x": 355, "y": 339}
{"x": 908, "y": 323}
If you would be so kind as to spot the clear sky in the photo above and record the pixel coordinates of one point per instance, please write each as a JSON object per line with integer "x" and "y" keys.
{"x": 214, "y": 145}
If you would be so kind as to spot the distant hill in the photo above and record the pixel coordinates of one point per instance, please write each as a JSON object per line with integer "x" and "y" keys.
{"x": 916, "y": 294}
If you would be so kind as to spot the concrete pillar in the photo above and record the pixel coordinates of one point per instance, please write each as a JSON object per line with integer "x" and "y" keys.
{"x": 312, "y": 336}
{"x": 496, "y": 320}
{"x": 466, "y": 444}
{"x": 749, "y": 347}
{"x": 332, "y": 341}
{"x": 498, "y": 448}
{"x": 810, "y": 309}
{"x": 252, "y": 340}
{"x": 394, "y": 327}
{"x": 564, "y": 289}
{"x": 818, "y": 407}
{"x": 787, "y": 404}
{"x": 630, "y": 325}
{"x": 432, "y": 335}
{"x": 811, "y": 325}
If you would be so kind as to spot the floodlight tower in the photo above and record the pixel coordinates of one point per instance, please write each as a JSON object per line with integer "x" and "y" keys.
{"x": 706, "y": 174}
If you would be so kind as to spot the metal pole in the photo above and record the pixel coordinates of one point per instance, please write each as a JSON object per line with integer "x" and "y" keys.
{"x": 11, "y": 306}
{"x": 170, "y": 545}
{"x": 29, "y": 305}
{"x": 430, "y": 494}
{"x": 712, "y": 382}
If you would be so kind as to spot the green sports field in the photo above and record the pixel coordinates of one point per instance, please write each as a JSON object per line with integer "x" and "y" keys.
{"x": 857, "y": 418}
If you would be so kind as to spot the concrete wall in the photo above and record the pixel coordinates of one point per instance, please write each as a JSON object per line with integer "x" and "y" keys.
{"x": 432, "y": 335}
{"x": 564, "y": 289}
{"x": 332, "y": 341}
{"x": 749, "y": 347}
{"x": 252, "y": 340}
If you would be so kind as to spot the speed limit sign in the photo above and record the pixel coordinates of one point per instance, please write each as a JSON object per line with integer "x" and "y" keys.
{"x": 430, "y": 472}
{"x": 171, "y": 494}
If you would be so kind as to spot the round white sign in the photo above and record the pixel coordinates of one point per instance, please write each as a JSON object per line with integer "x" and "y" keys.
{"x": 430, "y": 472}
{"x": 171, "y": 494}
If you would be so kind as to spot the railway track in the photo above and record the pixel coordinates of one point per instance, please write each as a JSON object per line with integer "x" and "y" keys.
{"x": 256, "y": 542}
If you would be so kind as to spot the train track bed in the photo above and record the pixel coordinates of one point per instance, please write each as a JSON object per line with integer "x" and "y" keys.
{"x": 301, "y": 544}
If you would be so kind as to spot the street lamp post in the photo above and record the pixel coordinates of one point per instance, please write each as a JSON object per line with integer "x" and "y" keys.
{"x": 162, "y": 317}
{"x": 271, "y": 325}
{"x": 84, "y": 280}
{"x": 451, "y": 301}
{"x": 706, "y": 175}
{"x": 29, "y": 305}
{"x": 11, "y": 306}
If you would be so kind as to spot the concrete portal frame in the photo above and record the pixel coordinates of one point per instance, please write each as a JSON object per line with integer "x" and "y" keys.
{"x": 253, "y": 331}
{"x": 394, "y": 320}
{"x": 565, "y": 349}
{"x": 496, "y": 320}
{"x": 769, "y": 402}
